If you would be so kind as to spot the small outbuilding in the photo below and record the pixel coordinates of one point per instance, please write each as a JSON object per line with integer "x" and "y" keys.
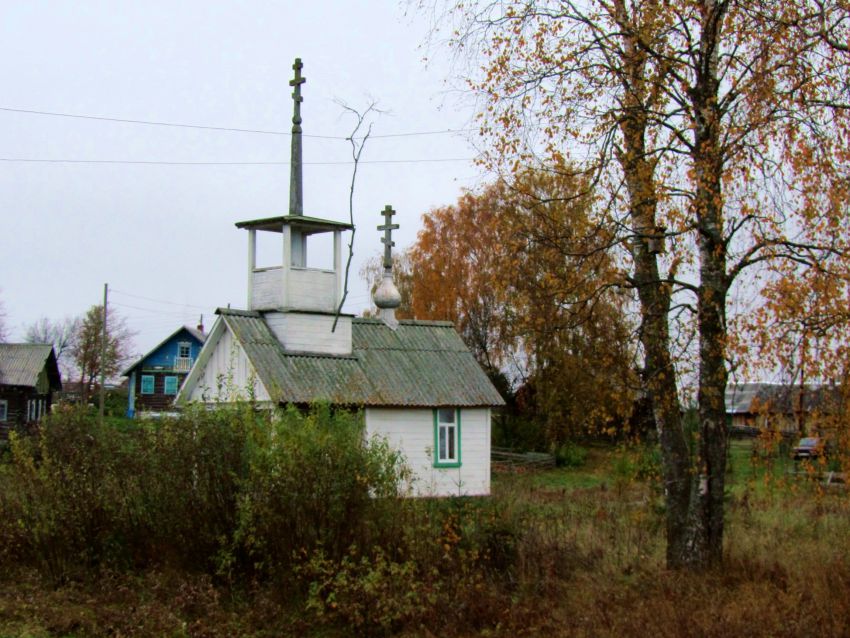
{"x": 29, "y": 375}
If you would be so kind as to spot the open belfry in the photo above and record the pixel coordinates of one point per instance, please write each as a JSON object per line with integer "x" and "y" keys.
{"x": 416, "y": 381}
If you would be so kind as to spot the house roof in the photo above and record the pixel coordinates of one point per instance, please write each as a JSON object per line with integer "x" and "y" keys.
{"x": 750, "y": 398}
{"x": 22, "y": 363}
{"x": 420, "y": 364}
{"x": 194, "y": 332}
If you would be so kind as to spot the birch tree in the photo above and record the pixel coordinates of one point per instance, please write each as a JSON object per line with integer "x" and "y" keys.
{"x": 717, "y": 129}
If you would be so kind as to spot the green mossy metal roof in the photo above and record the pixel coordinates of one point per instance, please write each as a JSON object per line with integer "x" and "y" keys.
{"x": 421, "y": 364}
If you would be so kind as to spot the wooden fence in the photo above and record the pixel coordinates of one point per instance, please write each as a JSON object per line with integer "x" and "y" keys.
{"x": 507, "y": 459}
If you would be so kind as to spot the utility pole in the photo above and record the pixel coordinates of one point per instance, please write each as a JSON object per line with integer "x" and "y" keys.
{"x": 103, "y": 355}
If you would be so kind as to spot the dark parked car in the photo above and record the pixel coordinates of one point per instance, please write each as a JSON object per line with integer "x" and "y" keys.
{"x": 809, "y": 447}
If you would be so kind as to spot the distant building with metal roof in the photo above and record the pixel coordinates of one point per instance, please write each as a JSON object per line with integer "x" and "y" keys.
{"x": 29, "y": 375}
{"x": 783, "y": 407}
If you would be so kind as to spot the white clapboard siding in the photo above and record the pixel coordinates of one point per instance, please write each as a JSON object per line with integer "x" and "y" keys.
{"x": 267, "y": 289}
{"x": 312, "y": 289}
{"x": 300, "y": 332}
{"x": 411, "y": 431}
{"x": 228, "y": 375}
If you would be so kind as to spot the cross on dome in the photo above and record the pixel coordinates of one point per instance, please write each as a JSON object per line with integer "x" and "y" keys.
{"x": 387, "y": 239}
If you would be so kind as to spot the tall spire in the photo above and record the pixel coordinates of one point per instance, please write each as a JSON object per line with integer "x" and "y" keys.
{"x": 296, "y": 191}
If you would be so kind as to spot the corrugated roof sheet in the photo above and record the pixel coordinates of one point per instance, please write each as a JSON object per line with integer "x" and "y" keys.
{"x": 21, "y": 363}
{"x": 750, "y": 398}
{"x": 420, "y": 364}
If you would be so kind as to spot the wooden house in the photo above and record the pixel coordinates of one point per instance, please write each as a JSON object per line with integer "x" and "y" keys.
{"x": 417, "y": 383}
{"x": 155, "y": 378}
{"x": 29, "y": 375}
{"x": 785, "y": 408}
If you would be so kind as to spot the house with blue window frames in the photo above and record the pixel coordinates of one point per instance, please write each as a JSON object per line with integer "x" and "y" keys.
{"x": 155, "y": 379}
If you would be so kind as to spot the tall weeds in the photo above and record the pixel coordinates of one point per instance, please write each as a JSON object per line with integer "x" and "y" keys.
{"x": 297, "y": 514}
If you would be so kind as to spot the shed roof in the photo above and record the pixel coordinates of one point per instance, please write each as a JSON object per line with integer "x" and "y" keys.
{"x": 420, "y": 364}
{"x": 22, "y": 363}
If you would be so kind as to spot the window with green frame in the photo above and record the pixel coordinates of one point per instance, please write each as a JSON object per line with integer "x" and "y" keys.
{"x": 170, "y": 385}
{"x": 147, "y": 384}
{"x": 447, "y": 437}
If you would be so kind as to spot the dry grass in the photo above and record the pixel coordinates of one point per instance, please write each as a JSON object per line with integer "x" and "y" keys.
{"x": 585, "y": 559}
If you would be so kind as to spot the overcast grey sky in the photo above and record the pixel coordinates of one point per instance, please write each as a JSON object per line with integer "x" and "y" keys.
{"x": 162, "y": 235}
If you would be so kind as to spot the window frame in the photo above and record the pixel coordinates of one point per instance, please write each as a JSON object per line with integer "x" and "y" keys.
{"x": 456, "y": 427}
{"x": 188, "y": 346}
{"x": 174, "y": 379}
{"x": 142, "y": 378}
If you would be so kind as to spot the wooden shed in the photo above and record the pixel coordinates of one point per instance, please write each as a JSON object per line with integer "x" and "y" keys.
{"x": 29, "y": 375}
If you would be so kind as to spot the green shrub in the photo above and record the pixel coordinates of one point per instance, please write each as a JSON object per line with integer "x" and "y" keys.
{"x": 641, "y": 462}
{"x": 453, "y": 557}
{"x": 314, "y": 481}
{"x": 83, "y": 495}
{"x": 570, "y": 455}
{"x": 228, "y": 489}
{"x": 366, "y": 593}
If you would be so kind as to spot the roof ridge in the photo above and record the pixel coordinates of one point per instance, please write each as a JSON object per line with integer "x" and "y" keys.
{"x": 406, "y": 322}
{"x": 27, "y": 345}
{"x": 238, "y": 313}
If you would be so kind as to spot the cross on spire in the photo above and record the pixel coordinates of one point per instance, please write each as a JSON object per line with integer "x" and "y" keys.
{"x": 296, "y": 189}
{"x": 387, "y": 239}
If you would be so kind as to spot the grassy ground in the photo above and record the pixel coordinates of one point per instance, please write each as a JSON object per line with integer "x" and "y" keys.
{"x": 589, "y": 562}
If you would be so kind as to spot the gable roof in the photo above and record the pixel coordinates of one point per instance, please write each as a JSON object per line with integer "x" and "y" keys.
{"x": 193, "y": 332}
{"x": 750, "y": 398}
{"x": 22, "y": 363}
{"x": 420, "y": 364}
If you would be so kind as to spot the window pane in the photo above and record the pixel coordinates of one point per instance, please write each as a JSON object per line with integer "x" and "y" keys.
{"x": 442, "y": 454}
{"x": 447, "y": 415}
{"x": 3, "y": 410}
{"x": 451, "y": 435}
{"x": 170, "y": 385}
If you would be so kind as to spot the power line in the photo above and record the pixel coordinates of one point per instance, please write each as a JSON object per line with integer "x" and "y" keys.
{"x": 28, "y": 160}
{"x": 229, "y": 129}
{"x": 122, "y": 120}
{"x": 171, "y": 303}
{"x": 155, "y": 311}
